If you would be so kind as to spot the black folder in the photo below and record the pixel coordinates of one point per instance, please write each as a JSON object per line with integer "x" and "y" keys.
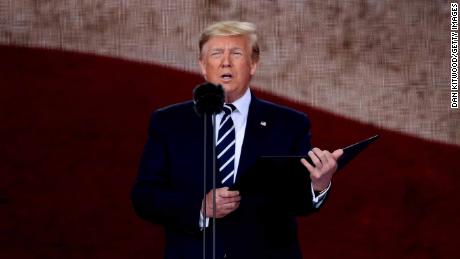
{"x": 286, "y": 175}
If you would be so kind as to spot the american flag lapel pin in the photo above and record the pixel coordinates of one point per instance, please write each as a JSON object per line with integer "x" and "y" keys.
{"x": 263, "y": 123}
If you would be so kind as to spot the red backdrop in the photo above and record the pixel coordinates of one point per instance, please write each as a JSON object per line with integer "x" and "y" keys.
{"x": 72, "y": 130}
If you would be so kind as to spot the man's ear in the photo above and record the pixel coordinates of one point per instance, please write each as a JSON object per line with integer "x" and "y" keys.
{"x": 254, "y": 67}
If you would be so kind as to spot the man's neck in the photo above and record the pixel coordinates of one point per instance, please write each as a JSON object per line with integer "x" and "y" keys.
{"x": 229, "y": 98}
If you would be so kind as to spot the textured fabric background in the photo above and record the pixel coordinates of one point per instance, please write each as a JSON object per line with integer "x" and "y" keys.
{"x": 72, "y": 129}
{"x": 380, "y": 62}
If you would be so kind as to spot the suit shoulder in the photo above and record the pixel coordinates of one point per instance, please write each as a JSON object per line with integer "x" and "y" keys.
{"x": 172, "y": 114}
{"x": 283, "y": 111}
{"x": 177, "y": 110}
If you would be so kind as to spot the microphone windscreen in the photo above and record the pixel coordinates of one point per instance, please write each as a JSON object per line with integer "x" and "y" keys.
{"x": 208, "y": 98}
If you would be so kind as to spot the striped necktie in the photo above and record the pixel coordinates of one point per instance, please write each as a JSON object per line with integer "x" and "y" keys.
{"x": 225, "y": 148}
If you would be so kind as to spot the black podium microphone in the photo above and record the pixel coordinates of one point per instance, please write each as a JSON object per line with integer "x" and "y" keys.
{"x": 208, "y": 98}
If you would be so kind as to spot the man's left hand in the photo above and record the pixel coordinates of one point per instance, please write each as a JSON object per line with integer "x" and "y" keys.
{"x": 323, "y": 168}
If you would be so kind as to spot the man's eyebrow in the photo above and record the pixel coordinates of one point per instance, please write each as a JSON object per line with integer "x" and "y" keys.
{"x": 236, "y": 48}
{"x": 222, "y": 49}
{"x": 216, "y": 49}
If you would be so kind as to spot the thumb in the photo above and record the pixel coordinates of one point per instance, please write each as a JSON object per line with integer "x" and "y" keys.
{"x": 337, "y": 154}
{"x": 222, "y": 190}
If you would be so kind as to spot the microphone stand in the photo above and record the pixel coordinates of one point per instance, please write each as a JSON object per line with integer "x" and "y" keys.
{"x": 203, "y": 222}
{"x": 209, "y": 100}
{"x": 214, "y": 186}
{"x": 214, "y": 130}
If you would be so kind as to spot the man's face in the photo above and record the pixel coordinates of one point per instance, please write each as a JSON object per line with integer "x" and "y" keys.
{"x": 227, "y": 60}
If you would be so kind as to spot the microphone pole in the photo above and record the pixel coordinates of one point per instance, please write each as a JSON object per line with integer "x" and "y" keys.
{"x": 209, "y": 100}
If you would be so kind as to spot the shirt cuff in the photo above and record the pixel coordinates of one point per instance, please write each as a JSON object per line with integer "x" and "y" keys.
{"x": 319, "y": 199}
{"x": 204, "y": 223}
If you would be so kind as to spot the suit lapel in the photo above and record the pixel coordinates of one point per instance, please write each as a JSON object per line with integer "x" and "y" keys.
{"x": 195, "y": 133}
{"x": 257, "y": 127}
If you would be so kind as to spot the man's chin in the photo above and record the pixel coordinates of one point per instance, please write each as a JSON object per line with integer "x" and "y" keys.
{"x": 225, "y": 83}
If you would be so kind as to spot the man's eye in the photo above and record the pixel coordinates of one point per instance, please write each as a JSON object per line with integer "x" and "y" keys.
{"x": 237, "y": 53}
{"x": 215, "y": 54}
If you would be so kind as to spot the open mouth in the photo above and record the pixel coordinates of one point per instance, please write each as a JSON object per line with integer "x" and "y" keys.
{"x": 226, "y": 77}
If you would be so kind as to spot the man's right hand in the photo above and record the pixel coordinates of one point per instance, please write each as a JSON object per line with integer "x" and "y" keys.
{"x": 226, "y": 202}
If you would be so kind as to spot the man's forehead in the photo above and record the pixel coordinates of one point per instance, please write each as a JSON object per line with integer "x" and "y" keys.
{"x": 227, "y": 42}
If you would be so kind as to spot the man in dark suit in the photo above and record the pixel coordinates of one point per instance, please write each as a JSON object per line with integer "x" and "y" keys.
{"x": 169, "y": 187}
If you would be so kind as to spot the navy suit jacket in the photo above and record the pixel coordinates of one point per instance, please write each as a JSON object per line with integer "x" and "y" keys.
{"x": 169, "y": 186}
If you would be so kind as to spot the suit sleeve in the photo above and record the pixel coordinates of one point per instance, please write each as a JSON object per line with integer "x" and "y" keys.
{"x": 302, "y": 144}
{"x": 153, "y": 196}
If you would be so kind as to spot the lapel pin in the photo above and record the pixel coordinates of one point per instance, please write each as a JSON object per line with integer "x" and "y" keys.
{"x": 263, "y": 123}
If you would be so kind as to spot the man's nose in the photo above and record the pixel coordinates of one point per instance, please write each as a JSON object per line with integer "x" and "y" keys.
{"x": 226, "y": 60}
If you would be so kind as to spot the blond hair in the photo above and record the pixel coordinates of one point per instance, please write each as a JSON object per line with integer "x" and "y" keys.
{"x": 232, "y": 28}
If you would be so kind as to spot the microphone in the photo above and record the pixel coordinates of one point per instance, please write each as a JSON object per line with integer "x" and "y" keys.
{"x": 208, "y": 98}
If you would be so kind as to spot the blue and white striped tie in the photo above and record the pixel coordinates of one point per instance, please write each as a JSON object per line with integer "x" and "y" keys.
{"x": 225, "y": 148}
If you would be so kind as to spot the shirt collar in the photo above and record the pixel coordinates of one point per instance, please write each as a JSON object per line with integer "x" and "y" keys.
{"x": 242, "y": 104}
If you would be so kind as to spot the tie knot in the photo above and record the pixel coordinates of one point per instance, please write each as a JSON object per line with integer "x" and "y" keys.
{"x": 229, "y": 108}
